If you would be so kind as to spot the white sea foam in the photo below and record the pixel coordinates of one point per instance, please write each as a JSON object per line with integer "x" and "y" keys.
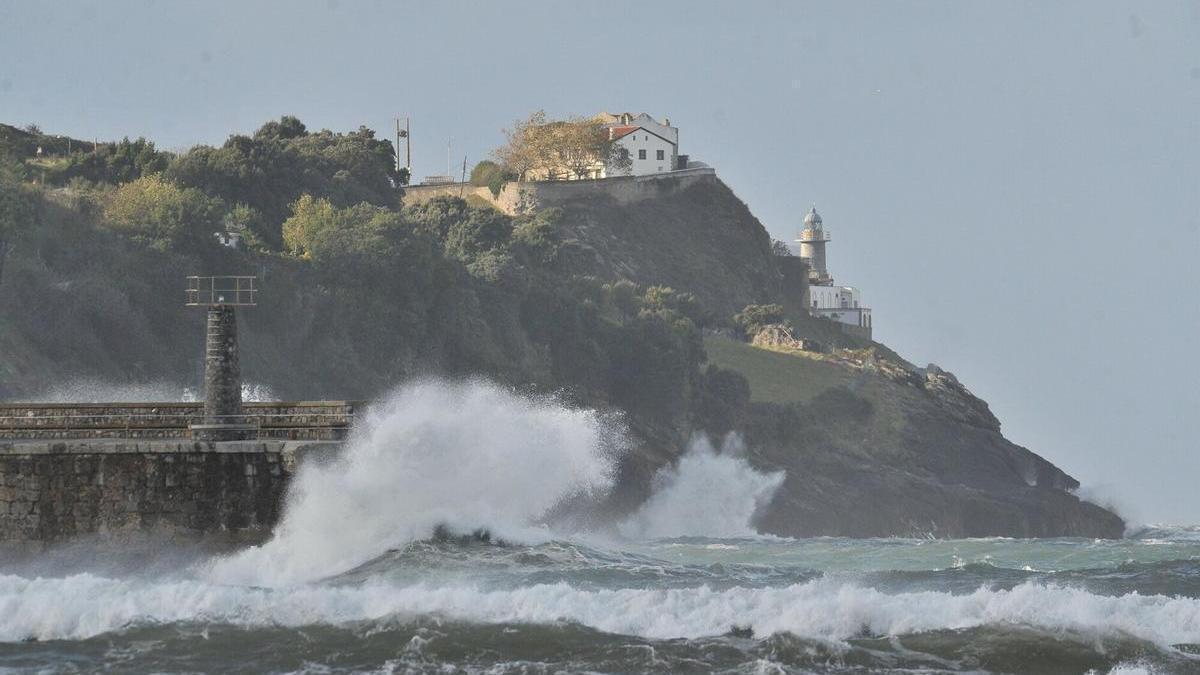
{"x": 469, "y": 455}
{"x": 84, "y": 606}
{"x": 708, "y": 493}
{"x": 99, "y": 391}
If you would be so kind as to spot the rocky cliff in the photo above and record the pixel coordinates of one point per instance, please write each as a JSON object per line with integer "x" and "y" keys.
{"x": 873, "y": 446}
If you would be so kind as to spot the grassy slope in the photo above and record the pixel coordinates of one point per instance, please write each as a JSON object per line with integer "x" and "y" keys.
{"x": 782, "y": 377}
{"x": 777, "y": 376}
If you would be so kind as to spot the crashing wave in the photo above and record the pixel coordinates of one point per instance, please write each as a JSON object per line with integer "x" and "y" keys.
{"x": 824, "y": 609}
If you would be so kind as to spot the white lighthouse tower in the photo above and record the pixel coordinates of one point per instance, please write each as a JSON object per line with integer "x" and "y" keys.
{"x": 842, "y": 304}
{"x": 812, "y": 248}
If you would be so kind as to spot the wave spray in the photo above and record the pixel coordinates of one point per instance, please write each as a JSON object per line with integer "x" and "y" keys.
{"x": 465, "y": 456}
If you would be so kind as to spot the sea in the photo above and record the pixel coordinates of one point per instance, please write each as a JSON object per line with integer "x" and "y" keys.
{"x": 469, "y": 529}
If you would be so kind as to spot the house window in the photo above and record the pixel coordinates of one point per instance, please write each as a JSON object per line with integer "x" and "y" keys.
{"x": 660, "y": 154}
{"x": 641, "y": 154}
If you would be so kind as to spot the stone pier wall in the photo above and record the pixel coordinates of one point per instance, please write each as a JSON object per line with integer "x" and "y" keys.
{"x": 52, "y": 490}
{"x": 295, "y": 420}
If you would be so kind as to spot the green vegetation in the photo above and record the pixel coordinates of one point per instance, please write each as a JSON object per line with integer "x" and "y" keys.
{"x": 777, "y": 376}
{"x": 753, "y": 318}
{"x": 115, "y": 163}
{"x": 158, "y": 212}
{"x": 381, "y": 291}
{"x": 491, "y": 175}
{"x": 282, "y": 162}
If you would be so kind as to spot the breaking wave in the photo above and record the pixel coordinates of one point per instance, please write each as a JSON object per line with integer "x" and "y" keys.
{"x": 708, "y": 494}
{"x": 826, "y": 609}
{"x": 464, "y": 456}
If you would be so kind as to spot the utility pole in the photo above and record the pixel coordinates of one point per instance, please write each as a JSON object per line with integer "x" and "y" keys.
{"x": 463, "y": 183}
{"x": 408, "y": 147}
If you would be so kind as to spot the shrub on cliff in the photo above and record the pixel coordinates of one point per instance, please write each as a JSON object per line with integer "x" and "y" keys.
{"x": 723, "y": 401}
{"x": 491, "y": 175}
{"x": 753, "y": 318}
{"x": 117, "y": 163}
{"x": 320, "y": 231}
{"x": 537, "y": 235}
{"x": 283, "y": 161}
{"x": 158, "y": 212}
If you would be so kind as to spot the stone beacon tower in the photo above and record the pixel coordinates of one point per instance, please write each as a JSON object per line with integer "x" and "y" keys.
{"x": 812, "y": 248}
{"x": 223, "y": 418}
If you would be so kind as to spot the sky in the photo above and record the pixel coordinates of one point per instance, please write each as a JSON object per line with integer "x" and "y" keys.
{"x": 1015, "y": 186}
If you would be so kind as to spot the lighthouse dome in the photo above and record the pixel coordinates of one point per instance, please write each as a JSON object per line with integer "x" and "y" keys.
{"x": 813, "y": 219}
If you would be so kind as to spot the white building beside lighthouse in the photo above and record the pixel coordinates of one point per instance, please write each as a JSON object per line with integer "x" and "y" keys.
{"x": 842, "y": 304}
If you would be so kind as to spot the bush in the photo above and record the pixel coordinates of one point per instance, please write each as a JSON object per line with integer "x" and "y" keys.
{"x": 117, "y": 163}
{"x": 320, "y": 231}
{"x": 163, "y": 214}
{"x": 724, "y": 400}
{"x": 753, "y": 318}
{"x": 283, "y": 161}
{"x": 491, "y": 175}
{"x": 537, "y": 235}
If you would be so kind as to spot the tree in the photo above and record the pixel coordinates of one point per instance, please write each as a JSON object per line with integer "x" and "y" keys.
{"x": 118, "y": 162}
{"x": 557, "y": 149}
{"x": 779, "y": 248}
{"x": 318, "y": 230}
{"x": 490, "y": 175}
{"x": 481, "y": 231}
{"x": 283, "y": 161}
{"x": 536, "y": 235}
{"x": 156, "y": 211}
{"x": 519, "y": 153}
{"x": 583, "y": 145}
{"x": 286, "y": 128}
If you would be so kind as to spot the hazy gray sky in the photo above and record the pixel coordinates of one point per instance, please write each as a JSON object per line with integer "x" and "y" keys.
{"x": 1014, "y": 185}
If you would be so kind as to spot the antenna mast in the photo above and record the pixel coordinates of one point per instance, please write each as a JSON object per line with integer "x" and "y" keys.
{"x": 403, "y": 133}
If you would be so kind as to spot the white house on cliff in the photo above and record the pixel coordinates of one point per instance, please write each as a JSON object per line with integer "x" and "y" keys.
{"x": 653, "y": 146}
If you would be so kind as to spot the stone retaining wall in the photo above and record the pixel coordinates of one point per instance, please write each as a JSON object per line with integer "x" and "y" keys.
{"x": 518, "y": 197}
{"x": 57, "y": 490}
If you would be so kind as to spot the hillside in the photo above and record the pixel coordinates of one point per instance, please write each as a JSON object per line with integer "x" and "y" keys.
{"x": 604, "y": 301}
{"x": 880, "y": 449}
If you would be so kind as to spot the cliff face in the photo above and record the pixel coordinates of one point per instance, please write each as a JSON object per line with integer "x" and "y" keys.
{"x": 693, "y": 235}
{"x": 872, "y": 446}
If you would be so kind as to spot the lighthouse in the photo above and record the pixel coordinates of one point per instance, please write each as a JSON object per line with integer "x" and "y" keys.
{"x": 841, "y": 304}
{"x": 812, "y": 241}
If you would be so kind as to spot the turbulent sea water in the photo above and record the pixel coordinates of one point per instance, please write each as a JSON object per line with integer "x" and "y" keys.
{"x": 440, "y": 543}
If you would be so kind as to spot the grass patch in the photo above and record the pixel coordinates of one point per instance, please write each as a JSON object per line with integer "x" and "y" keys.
{"x": 776, "y": 376}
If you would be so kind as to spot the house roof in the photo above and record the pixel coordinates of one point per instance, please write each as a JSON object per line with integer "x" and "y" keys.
{"x": 623, "y": 130}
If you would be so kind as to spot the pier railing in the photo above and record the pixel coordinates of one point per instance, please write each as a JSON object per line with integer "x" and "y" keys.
{"x": 294, "y": 420}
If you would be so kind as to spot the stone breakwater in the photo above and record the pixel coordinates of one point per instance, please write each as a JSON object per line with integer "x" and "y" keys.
{"x": 295, "y": 420}
{"x": 52, "y": 490}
